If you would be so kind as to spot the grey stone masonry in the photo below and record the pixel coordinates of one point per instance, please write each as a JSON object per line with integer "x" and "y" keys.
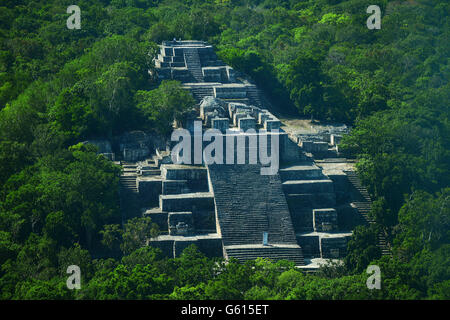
{"x": 262, "y": 117}
{"x": 233, "y": 108}
{"x": 325, "y": 220}
{"x": 335, "y": 139}
{"x": 312, "y": 146}
{"x": 183, "y": 172}
{"x": 310, "y": 245}
{"x": 247, "y": 123}
{"x": 237, "y": 116}
{"x": 230, "y": 91}
{"x": 180, "y": 223}
{"x": 248, "y": 204}
{"x": 334, "y": 247}
{"x": 221, "y": 124}
{"x": 215, "y": 74}
{"x": 270, "y": 124}
{"x": 273, "y": 252}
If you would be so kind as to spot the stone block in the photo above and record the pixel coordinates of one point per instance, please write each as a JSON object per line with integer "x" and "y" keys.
{"x": 180, "y": 223}
{"x": 166, "y": 246}
{"x": 230, "y": 92}
{"x": 270, "y": 124}
{"x": 313, "y": 146}
{"x": 159, "y": 217}
{"x": 211, "y": 247}
{"x": 262, "y": 117}
{"x": 183, "y": 172}
{"x": 233, "y": 106}
{"x": 247, "y": 123}
{"x": 181, "y": 202}
{"x": 310, "y": 245}
{"x": 175, "y": 187}
{"x": 178, "y": 52}
{"x": 334, "y": 247}
{"x": 213, "y": 74}
{"x": 221, "y": 124}
{"x": 335, "y": 139}
{"x": 301, "y": 219}
{"x": 167, "y": 51}
{"x": 149, "y": 191}
{"x": 237, "y": 116}
{"x": 308, "y": 186}
{"x": 180, "y": 245}
{"x": 231, "y": 74}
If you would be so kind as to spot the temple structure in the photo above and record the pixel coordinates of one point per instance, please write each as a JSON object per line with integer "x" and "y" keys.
{"x": 303, "y": 213}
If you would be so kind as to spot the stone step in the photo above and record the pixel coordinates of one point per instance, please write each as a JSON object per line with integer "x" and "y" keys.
{"x": 152, "y": 172}
{"x": 301, "y": 172}
{"x": 185, "y": 202}
{"x": 311, "y": 200}
{"x": 175, "y": 186}
{"x": 158, "y": 216}
{"x": 308, "y": 186}
{"x": 245, "y": 253}
{"x": 193, "y": 63}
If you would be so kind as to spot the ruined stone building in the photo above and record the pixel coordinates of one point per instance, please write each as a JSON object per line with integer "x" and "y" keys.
{"x": 304, "y": 213}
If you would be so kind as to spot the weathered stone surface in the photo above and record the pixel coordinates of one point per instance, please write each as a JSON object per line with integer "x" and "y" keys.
{"x": 262, "y": 117}
{"x": 334, "y": 247}
{"x": 209, "y": 104}
{"x": 302, "y": 219}
{"x": 179, "y": 203}
{"x": 308, "y": 186}
{"x": 104, "y": 146}
{"x": 173, "y": 246}
{"x": 238, "y": 115}
{"x": 134, "y": 145}
{"x": 273, "y": 252}
{"x": 175, "y": 187}
{"x": 234, "y": 91}
{"x": 180, "y": 223}
{"x": 325, "y": 220}
{"x": 270, "y": 124}
{"x": 335, "y": 139}
{"x": 215, "y": 74}
{"x": 311, "y": 200}
{"x": 221, "y": 124}
{"x": 234, "y": 107}
{"x": 247, "y": 123}
{"x": 159, "y": 217}
{"x": 310, "y": 245}
{"x": 183, "y": 172}
{"x": 301, "y": 172}
{"x": 249, "y": 203}
{"x": 149, "y": 191}
{"x": 311, "y": 146}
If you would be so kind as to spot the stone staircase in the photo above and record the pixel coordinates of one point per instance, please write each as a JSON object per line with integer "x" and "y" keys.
{"x": 245, "y": 253}
{"x": 193, "y": 63}
{"x": 199, "y": 92}
{"x": 129, "y": 200}
{"x": 149, "y": 167}
{"x": 306, "y": 188}
{"x": 254, "y": 95}
{"x": 364, "y": 206}
{"x": 249, "y": 204}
